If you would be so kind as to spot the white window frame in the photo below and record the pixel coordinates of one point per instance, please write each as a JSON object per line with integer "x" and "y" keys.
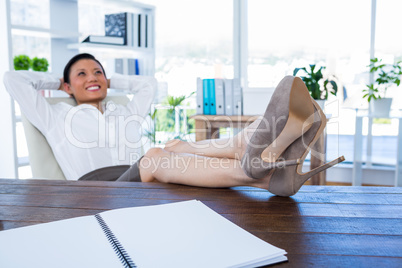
{"x": 8, "y": 156}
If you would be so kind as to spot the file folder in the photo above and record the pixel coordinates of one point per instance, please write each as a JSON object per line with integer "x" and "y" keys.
{"x": 205, "y": 85}
{"x": 200, "y": 97}
{"x": 211, "y": 95}
{"x": 228, "y": 84}
{"x": 237, "y": 97}
{"x": 219, "y": 97}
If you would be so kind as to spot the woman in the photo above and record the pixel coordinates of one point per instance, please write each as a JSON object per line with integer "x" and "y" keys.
{"x": 90, "y": 140}
{"x": 93, "y": 134}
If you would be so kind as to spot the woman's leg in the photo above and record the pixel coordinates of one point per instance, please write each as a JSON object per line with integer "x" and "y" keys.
{"x": 180, "y": 160}
{"x": 233, "y": 147}
{"x": 195, "y": 170}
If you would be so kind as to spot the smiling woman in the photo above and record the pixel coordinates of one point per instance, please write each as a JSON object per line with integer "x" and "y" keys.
{"x": 114, "y": 128}
{"x": 85, "y": 79}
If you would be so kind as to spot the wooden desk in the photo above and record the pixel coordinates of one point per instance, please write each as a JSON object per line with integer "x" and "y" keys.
{"x": 321, "y": 226}
{"x": 207, "y": 127}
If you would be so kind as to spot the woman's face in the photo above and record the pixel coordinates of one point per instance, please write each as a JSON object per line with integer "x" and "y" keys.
{"x": 88, "y": 83}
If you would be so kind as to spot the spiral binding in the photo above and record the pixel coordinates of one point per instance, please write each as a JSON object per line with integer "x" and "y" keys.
{"x": 118, "y": 248}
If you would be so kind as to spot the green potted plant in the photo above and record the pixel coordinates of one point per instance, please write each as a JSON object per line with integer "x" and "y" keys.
{"x": 22, "y": 62}
{"x": 387, "y": 75}
{"x": 167, "y": 119}
{"x": 39, "y": 64}
{"x": 318, "y": 86}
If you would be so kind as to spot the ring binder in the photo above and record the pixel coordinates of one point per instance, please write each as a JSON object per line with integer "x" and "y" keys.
{"x": 118, "y": 248}
{"x": 217, "y": 96}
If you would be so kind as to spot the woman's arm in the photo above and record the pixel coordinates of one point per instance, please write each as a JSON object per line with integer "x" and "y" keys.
{"x": 143, "y": 88}
{"x": 23, "y": 86}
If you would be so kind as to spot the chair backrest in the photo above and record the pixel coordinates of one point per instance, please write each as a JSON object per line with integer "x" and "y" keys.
{"x": 41, "y": 157}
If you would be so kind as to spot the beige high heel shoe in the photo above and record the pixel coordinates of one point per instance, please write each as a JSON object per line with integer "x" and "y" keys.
{"x": 287, "y": 181}
{"x": 291, "y": 125}
{"x": 287, "y": 117}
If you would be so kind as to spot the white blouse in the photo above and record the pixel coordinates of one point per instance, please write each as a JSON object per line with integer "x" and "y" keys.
{"x": 81, "y": 137}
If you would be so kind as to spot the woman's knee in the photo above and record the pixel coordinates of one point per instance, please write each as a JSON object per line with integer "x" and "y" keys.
{"x": 150, "y": 159}
{"x": 154, "y": 152}
{"x": 147, "y": 164}
{"x": 173, "y": 145}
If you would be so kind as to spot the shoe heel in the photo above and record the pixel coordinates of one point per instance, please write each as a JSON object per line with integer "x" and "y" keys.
{"x": 311, "y": 173}
{"x": 287, "y": 182}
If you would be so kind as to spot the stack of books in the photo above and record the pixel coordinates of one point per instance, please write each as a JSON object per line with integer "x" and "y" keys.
{"x": 135, "y": 28}
{"x": 219, "y": 97}
{"x": 130, "y": 29}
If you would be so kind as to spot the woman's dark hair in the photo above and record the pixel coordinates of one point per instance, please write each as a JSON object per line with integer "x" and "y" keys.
{"x": 67, "y": 69}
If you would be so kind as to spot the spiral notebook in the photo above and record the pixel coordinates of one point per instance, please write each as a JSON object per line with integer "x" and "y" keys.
{"x": 181, "y": 234}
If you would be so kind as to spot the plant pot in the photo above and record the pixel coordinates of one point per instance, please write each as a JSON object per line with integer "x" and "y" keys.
{"x": 321, "y": 103}
{"x": 381, "y": 107}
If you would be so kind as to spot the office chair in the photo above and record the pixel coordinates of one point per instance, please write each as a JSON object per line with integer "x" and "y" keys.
{"x": 41, "y": 157}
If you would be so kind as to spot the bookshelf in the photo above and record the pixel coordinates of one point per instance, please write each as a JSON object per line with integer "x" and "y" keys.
{"x": 107, "y": 52}
{"x": 64, "y": 38}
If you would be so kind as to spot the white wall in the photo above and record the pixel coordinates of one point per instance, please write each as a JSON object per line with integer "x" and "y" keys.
{"x": 7, "y": 143}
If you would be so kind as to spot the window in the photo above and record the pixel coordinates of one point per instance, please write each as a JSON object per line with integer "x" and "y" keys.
{"x": 388, "y": 41}
{"x": 290, "y": 33}
{"x": 31, "y": 13}
{"x": 336, "y": 34}
{"x": 30, "y": 36}
{"x": 30, "y": 21}
{"x": 287, "y": 34}
{"x": 193, "y": 39}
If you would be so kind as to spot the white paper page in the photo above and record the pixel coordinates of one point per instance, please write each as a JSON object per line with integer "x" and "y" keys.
{"x": 185, "y": 234}
{"x": 281, "y": 258}
{"x": 77, "y": 242}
